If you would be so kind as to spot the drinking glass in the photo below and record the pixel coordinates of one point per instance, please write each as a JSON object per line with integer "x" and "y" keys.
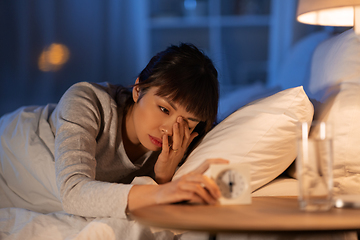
{"x": 314, "y": 166}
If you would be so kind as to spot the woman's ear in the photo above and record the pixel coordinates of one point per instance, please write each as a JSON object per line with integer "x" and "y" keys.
{"x": 136, "y": 91}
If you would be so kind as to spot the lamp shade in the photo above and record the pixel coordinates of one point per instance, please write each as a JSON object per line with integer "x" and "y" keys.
{"x": 327, "y": 12}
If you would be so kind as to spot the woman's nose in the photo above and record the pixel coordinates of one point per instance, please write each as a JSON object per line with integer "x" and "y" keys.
{"x": 167, "y": 128}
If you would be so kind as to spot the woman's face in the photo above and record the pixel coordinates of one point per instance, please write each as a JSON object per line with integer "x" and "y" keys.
{"x": 153, "y": 116}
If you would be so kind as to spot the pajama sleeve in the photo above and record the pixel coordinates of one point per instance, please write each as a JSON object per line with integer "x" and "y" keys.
{"x": 79, "y": 121}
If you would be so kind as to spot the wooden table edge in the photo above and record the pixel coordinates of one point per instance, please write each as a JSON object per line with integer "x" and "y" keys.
{"x": 265, "y": 215}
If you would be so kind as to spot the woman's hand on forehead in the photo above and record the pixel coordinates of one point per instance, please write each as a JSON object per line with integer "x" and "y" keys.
{"x": 172, "y": 153}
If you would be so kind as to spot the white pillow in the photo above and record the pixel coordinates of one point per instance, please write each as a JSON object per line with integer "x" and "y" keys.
{"x": 342, "y": 110}
{"x": 281, "y": 186}
{"x": 261, "y": 133}
{"x": 335, "y": 60}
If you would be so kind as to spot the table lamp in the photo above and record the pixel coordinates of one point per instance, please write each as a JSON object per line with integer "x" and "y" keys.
{"x": 344, "y": 13}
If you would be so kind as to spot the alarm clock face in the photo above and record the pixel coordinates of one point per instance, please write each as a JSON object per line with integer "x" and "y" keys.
{"x": 231, "y": 183}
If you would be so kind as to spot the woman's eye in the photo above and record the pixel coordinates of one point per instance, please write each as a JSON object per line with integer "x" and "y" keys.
{"x": 164, "y": 110}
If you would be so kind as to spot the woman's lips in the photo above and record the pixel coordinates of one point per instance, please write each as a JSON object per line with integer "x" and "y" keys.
{"x": 156, "y": 141}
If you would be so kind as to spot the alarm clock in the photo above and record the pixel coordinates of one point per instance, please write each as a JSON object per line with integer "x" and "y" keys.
{"x": 233, "y": 181}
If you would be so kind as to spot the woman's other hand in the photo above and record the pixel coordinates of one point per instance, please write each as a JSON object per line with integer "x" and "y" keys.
{"x": 172, "y": 154}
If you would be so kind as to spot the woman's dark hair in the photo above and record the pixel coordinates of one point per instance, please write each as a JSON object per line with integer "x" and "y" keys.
{"x": 185, "y": 75}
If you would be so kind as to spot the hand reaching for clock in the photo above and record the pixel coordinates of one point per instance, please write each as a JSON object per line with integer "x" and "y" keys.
{"x": 193, "y": 187}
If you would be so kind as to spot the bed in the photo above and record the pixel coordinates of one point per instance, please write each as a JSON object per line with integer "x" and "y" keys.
{"x": 265, "y": 118}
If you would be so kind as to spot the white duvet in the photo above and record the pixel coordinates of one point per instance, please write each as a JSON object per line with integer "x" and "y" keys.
{"x": 21, "y": 224}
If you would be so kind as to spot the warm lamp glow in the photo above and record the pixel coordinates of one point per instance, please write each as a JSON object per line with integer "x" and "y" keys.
{"x": 343, "y": 16}
{"x": 53, "y": 57}
{"x": 344, "y": 13}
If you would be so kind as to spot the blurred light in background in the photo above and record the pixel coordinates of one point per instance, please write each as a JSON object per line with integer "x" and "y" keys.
{"x": 53, "y": 57}
{"x": 328, "y": 12}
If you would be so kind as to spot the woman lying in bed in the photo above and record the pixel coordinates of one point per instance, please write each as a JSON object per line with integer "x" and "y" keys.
{"x": 104, "y": 135}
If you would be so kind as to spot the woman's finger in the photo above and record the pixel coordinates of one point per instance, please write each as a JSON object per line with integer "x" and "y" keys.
{"x": 205, "y": 182}
{"x": 190, "y": 197}
{"x": 182, "y": 124}
{"x": 176, "y": 137}
{"x": 199, "y": 190}
{"x": 196, "y": 199}
{"x": 187, "y": 135}
{"x": 191, "y": 138}
{"x": 186, "y": 132}
{"x": 165, "y": 144}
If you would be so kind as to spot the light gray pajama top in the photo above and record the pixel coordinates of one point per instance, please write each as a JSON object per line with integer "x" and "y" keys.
{"x": 93, "y": 171}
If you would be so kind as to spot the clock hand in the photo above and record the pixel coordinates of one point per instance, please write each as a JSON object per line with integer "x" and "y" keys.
{"x": 230, "y": 182}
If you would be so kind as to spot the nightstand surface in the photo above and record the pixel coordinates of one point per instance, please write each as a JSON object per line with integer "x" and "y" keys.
{"x": 265, "y": 214}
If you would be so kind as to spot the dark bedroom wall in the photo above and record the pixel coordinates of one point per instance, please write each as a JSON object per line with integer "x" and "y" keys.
{"x": 97, "y": 35}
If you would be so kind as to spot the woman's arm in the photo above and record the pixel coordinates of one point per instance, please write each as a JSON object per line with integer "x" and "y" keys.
{"x": 83, "y": 112}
